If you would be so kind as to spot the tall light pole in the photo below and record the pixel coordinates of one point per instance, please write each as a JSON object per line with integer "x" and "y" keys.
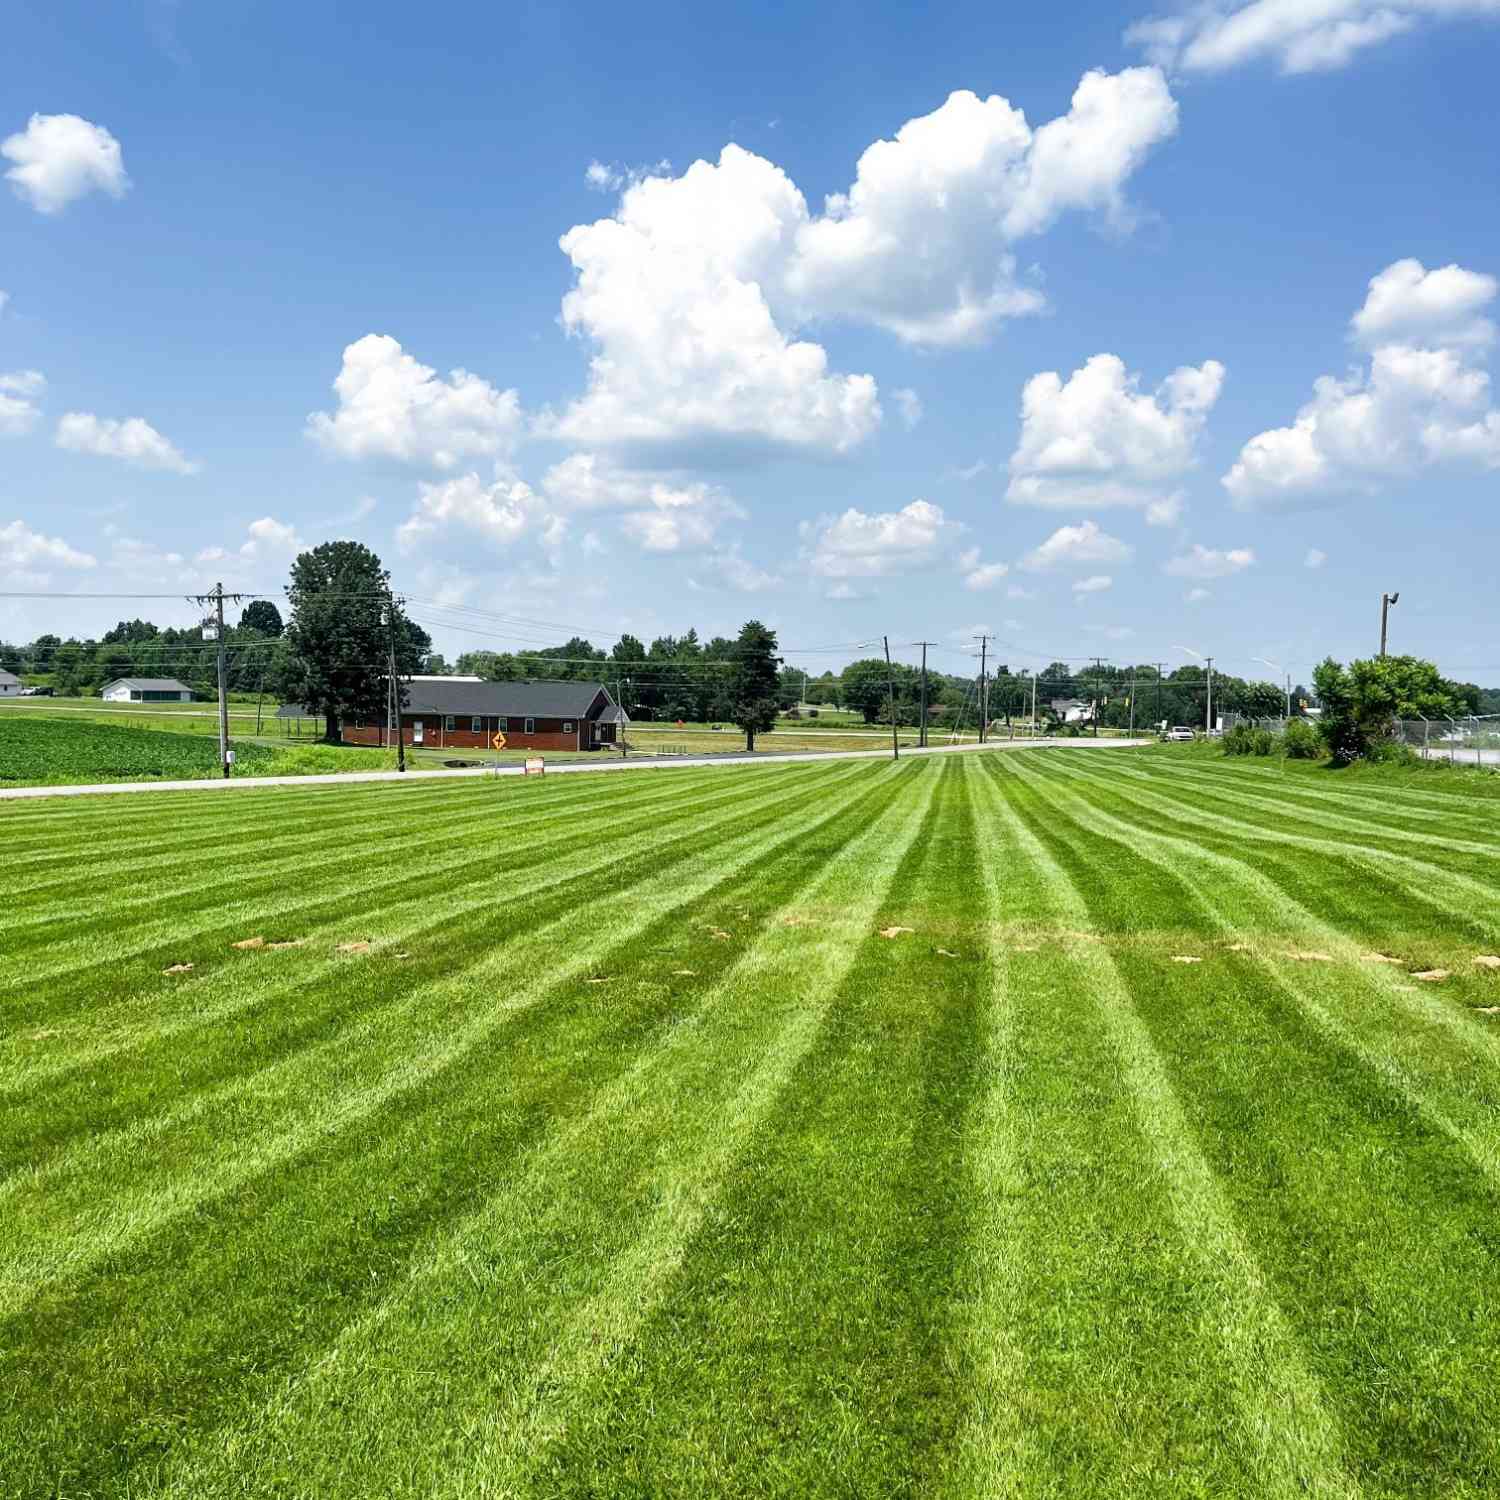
{"x": 1276, "y": 666}
{"x": 1208, "y": 710}
{"x": 1386, "y": 600}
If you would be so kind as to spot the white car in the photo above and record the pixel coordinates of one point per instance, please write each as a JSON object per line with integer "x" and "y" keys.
{"x": 1179, "y": 732}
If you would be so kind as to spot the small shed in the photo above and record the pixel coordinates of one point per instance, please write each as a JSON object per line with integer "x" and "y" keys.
{"x": 10, "y": 685}
{"x": 146, "y": 690}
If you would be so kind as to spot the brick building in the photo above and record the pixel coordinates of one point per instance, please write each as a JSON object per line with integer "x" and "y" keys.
{"x": 464, "y": 714}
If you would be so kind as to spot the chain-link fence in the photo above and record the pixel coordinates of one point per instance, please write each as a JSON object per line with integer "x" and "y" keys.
{"x": 1276, "y": 726}
{"x": 1466, "y": 742}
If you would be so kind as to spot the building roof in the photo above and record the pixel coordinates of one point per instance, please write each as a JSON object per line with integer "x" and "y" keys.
{"x": 516, "y": 700}
{"x": 149, "y": 684}
{"x": 614, "y": 714}
{"x": 8, "y": 677}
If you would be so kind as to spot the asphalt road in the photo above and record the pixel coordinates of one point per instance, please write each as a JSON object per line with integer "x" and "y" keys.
{"x": 560, "y": 768}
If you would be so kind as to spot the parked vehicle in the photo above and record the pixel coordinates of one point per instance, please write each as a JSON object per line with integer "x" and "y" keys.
{"x": 1180, "y": 732}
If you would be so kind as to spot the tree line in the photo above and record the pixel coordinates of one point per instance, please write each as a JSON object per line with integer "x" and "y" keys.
{"x": 332, "y": 649}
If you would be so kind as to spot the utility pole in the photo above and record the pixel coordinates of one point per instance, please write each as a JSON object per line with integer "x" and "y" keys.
{"x": 1209, "y": 726}
{"x": 1098, "y": 668}
{"x": 1386, "y": 600}
{"x": 1161, "y": 669}
{"x": 393, "y": 708}
{"x": 1033, "y": 703}
{"x": 890, "y": 682}
{"x": 984, "y": 688}
{"x": 217, "y": 598}
{"x": 1132, "y": 704}
{"x": 922, "y": 722}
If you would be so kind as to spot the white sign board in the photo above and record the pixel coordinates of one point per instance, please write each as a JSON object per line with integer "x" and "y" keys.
{"x": 535, "y": 765}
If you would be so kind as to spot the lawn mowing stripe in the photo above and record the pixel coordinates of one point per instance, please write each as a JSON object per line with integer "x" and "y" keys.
{"x": 1238, "y": 901}
{"x": 1241, "y": 902}
{"x": 1345, "y": 1176}
{"x": 995, "y": 1450}
{"x": 498, "y": 1323}
{"x": 1444, "y": 889}
{"x": 1324, "y": 785}
{"x": 1479, "y": 1041}
{"x": 1227, "y": 791}
{"x": 253, "y": 873}
{"x": 281, "y": 849}
{"x": 164, "y": 1010}
{"x": 85, "y": 1099}
{"x": 123, "y": 971}
{"x": 58, "y": 1223}
{"x": 193, "y": 1323}
{"x": 798, "y": 1349}
{"x": 1298, "y": 789}
{"x": 1284, "y": 1416}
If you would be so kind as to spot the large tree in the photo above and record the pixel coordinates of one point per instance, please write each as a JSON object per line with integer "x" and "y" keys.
{"x": 755, "y": 680}
{"x": 262, "y": 615}
{"x": 865, "y": 686}
{"x": 337, "y": 641}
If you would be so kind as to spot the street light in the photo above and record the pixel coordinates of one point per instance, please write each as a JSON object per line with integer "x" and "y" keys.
{"x": 1276, "y": 666}
{"x": 1386, "y": 600}
{"x": 1208, "y": 711}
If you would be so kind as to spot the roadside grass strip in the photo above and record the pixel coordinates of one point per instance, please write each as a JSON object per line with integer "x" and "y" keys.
{"x": 54, "y": 1220}
{"x": 1363, "y": 1169}
{"x": 466, "y": 1368}
{"x": 1290, "y": 1440}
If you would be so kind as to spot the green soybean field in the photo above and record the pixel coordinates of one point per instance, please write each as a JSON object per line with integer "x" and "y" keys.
{"x": 1043, "y": 1122}
{"x": 38, "y": 752}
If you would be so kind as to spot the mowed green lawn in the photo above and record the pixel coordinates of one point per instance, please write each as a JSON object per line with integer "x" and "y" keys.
{"x": 846, "y": 1129}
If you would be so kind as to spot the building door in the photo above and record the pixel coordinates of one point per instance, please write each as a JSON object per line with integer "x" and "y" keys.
{"x": 416, "y": 732}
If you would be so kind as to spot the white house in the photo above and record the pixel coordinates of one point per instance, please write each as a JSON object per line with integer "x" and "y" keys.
{"x": 10, "y": 685}
{"x": 146, "y": 690}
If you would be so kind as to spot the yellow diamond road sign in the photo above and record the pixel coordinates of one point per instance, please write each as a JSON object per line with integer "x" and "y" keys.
{"x": 499, "y": 740}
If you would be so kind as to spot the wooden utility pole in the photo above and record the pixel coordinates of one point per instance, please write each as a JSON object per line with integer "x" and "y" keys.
{"x": 1386, "y": 600}
{"x": 984, "y": 688}
{"x": 217, "y": 598}
{"x": 922, "y": 723}
{"x": 1098, "y": 668}
{"x": 890, "y": 683}
{"x": 393, "y": 702}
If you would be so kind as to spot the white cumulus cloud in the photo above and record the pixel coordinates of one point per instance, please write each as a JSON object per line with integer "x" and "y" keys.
{"x": 920, "y": 242}
{"x": 1301, "y": 36}
{"x": 501, "y": 513}
{"x": 1097, "y": 439}
{"x": 61, "y": 158}
{"x": 659, "y": 512}
{"x": 859, "y": 544}
{"x": 694, "y": 292}
{"x": 22, "y": 549}
{"x": 1209, "y": 562}
{"x": 1095, "y": 584}
{"x": 1422, "y": 398}
{"x": 392, "y": 406}
{"x": 1075, "y": 546}
{"x": 133, "y": 441}
{"x": 269, "y": 538}
{"x": 19, "y": 412}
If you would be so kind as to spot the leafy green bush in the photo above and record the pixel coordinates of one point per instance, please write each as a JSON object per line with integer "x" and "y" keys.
{"x": 1360, "y": 704}
{"x": 1263, "y": 742}
{"x": 1240, "y": 740}
{"x": 1301, "y": 741}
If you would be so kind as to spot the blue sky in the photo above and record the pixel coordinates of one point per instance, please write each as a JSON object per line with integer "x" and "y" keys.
{"x": 728, "y": 396}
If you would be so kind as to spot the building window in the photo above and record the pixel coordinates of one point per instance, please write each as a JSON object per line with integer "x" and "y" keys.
{"x": 448, "y": 723}
{"x": 531, "y": 726}
{"x": 477, "y": 724}
{"x": 567, "y": 726}
{"x": 503, "y": 722}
